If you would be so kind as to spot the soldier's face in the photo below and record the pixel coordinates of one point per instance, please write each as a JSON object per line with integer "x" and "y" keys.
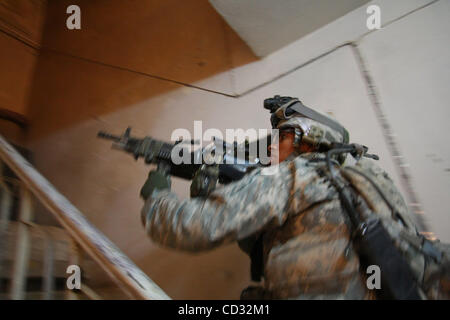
{"x": 284, "y": 147}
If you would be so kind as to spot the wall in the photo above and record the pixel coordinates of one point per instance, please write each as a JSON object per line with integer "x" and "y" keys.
{"x": 76, "y": 97}
{"x": 121, "y": 44}
{"x": 91, "y": 76}
{"x": 409, "y": 61}
{"x": 21, "y": 24}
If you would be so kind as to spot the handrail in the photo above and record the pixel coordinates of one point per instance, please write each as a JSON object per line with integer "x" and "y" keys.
{"x": 118, "y": 266}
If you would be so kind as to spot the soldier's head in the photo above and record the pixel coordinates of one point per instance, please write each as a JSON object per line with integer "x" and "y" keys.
{"x": 301, "y": 129}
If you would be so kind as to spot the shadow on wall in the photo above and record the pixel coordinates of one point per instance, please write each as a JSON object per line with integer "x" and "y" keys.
{"x": 80, "y": 73}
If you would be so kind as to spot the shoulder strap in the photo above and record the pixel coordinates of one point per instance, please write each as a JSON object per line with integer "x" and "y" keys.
{"x": 375, "y": 246}
{"x": 418, "y": 241}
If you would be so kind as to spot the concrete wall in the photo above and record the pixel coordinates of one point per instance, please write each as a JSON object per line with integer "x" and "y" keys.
{"x": 76, "y": 97}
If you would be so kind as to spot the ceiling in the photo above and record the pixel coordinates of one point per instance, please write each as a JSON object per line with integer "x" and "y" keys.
{"x": 268, "y": 25}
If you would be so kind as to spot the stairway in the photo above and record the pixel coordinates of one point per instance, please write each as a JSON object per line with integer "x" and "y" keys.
{"x": 34, "y": 258}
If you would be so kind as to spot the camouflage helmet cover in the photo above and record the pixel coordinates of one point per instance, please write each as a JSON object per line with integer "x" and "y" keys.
{"x": 315, "y": 131}
{"x": 319, "y": 132}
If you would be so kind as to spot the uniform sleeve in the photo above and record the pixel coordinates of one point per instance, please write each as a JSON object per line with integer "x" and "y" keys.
{"x": 228, "y": 214}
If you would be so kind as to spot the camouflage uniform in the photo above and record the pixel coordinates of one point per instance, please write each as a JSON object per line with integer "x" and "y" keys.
{"x": 307, "y": 251}
{"x": 295, "y": 219}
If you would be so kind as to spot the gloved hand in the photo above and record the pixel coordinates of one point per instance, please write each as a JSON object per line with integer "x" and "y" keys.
{"x": 157, "y": 180}
{"x": 204, "y": 181}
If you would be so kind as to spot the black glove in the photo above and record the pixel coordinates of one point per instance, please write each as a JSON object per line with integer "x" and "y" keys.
{"x": 157, "y": 180}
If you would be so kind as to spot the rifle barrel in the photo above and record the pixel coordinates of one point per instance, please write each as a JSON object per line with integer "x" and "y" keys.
{"x": 108, "y": 136}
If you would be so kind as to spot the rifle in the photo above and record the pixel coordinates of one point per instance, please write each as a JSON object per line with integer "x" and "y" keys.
{"x": 231, "y": 167}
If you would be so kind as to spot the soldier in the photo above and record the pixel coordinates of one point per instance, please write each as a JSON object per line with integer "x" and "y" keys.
{"x": 291, "y": 222}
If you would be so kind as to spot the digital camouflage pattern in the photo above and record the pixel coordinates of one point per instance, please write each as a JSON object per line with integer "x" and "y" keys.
{"x": 307, "y": 249}
{"x": 316, "y": 131}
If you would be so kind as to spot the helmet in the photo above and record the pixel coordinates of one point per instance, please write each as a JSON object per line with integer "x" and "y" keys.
{"x": 309, "y": 125}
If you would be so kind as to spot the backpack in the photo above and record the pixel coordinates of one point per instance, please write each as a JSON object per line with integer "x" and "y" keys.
{"x": 428, "y": 260}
